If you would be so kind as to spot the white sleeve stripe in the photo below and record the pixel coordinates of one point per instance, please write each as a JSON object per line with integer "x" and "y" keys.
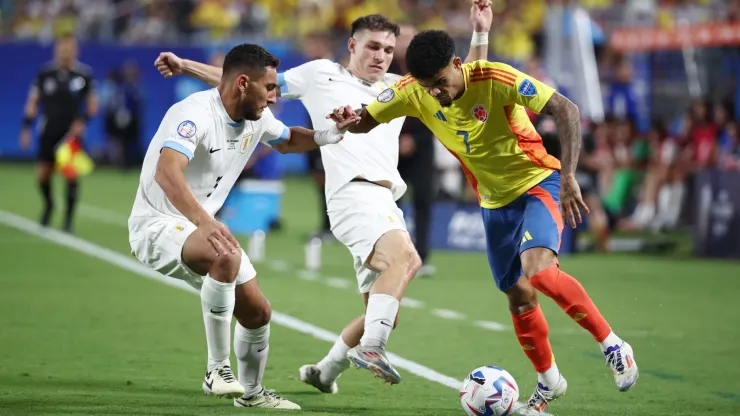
{"x": 179, "y": 148}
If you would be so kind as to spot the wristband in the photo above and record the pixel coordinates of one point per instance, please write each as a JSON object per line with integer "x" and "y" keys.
{"x": 27, "y": 122}
{"x": 479, "y": 39}
{"x": 329, "y": 136}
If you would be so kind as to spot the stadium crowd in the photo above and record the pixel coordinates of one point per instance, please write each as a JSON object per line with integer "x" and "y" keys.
{"x": 639, "y": 175}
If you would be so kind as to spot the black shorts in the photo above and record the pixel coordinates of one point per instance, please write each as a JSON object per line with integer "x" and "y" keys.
{"x": 315, "y": 164}
{"x": 48, "y": 143}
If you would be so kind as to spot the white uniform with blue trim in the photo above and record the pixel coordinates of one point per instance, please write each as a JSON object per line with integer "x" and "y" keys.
{"x": 218, "y": 149}
{"x": 359, "y": 212}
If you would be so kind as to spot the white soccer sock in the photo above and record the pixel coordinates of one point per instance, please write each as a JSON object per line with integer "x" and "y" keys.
{"x": 550, "y": 377}
{"x": 217, "y": 301}
{"x": 611, "y": 340}
{"x": 335, "y": 362}
{"x": 379, "y": 317}
{"x": 251, "y": 347}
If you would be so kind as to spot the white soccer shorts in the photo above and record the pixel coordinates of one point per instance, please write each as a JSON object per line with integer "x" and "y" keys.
{"x": 158, "y": 242}
{"x": 360, "y": 213}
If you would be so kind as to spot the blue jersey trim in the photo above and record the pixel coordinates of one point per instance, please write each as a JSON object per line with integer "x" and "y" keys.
{"x": 179, "y": 148}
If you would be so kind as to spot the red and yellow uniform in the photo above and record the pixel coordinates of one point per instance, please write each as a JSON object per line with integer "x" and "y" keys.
{"x": 487, "y": 129}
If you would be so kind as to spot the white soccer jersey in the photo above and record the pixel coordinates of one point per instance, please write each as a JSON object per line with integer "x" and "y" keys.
{"x": 218, "y": 149}
{"x": 322, "y": 86}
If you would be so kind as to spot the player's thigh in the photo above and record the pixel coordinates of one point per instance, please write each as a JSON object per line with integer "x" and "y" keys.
{"x": 360, "y": 215}
{"x": 158, "y": 243}
{"x": 502, "y": 226}
{"x": 542, "y": 227}
{"x": 251, "y": 308}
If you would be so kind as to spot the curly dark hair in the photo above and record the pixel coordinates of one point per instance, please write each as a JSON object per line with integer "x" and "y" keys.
{"x": 251, "y": 58}
{"x": 375, "y": 23}
{"x": 429, "y": 52}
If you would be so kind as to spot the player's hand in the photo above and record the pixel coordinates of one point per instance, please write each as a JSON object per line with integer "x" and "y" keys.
{"x": 571, "y": 201}
{"x": 220, "y": 238}
{"x": 25, "y": 138}
{"x": 168, "y": 64}
{"x": 481, "y": 15}
{"x": 340, "y": 114}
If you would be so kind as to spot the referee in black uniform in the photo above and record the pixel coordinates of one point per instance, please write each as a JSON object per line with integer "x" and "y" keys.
{"x": 63, "y": 93}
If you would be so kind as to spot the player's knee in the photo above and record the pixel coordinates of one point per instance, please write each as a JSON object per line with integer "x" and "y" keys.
{"x": 536, "y": 260}
{"x": 254, "y": 317}
{"x": 522, "y": 297}
{"x": 410, "y": 260}
{"x": 226, "y": 267}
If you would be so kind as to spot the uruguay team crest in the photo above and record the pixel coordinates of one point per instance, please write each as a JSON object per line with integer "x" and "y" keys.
{"x": 480, "y": 113}
{"x": 245, "y": 143}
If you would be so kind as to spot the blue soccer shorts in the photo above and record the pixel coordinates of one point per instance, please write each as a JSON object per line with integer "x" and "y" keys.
{"x": 531, "y": 220}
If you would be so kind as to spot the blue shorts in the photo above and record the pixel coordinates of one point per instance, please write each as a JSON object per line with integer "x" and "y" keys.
{"x": 532, "y": 220}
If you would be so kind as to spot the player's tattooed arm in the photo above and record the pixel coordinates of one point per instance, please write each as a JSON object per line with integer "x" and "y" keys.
{"x": 568, "y": 122}
{"x": 364, "y": 121}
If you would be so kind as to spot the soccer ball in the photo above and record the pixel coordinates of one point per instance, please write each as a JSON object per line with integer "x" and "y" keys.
{"x": 489, "y": 391}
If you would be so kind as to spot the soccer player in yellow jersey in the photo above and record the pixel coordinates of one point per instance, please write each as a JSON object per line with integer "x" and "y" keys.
{"x": 477, "y": 111}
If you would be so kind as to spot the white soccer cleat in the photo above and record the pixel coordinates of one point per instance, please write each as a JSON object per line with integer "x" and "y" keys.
{"x": 622, "y": 361}
{"x": 222, "y": 383}
{"x": 542, "y": 395}
{"x": 266, "y": 399}
{"x": 311, "y": 375}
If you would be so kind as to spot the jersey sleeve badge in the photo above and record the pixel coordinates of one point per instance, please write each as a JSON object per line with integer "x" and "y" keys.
{"x": 386, "y": 95}
{"x": 186, "y": 129}
{"x": 527, "y": 88}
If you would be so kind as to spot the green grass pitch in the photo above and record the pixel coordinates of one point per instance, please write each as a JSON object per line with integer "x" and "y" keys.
{"x": 80, "y": 336}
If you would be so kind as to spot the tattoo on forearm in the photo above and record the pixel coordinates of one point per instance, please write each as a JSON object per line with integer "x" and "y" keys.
{"x": 568, "y": 122}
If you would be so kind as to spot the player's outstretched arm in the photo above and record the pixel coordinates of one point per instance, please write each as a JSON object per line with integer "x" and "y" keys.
{"x": 169, "y": 64}
{"x": 302, "y": 140}
{"x": 481, "y": 17}
{"x": 363, "y": 121}
{"x": 568, "y": 122}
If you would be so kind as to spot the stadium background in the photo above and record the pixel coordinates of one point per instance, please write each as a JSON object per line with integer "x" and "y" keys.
{"x": 77, "y": 329}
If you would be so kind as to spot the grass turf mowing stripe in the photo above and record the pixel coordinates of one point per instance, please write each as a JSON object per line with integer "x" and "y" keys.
{"x": 126, "y": 263}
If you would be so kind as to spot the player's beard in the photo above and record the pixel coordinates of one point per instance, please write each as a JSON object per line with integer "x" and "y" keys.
{"x": 252, "y": 112}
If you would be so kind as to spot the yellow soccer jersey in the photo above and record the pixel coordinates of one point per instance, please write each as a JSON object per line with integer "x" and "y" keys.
{"x": 487, "y": 129}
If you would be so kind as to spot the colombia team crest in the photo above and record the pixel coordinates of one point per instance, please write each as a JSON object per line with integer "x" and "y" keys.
{"x": 480, "y": 113}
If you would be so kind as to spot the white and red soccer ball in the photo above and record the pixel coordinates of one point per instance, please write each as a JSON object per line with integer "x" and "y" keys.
{"x": 489, "y": 391}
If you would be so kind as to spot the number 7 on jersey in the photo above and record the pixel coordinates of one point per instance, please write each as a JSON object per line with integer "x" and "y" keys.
{"x": 465, "y": 135}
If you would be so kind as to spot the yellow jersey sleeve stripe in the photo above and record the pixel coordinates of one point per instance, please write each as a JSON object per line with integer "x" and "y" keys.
{"x": 530, "y": 142}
